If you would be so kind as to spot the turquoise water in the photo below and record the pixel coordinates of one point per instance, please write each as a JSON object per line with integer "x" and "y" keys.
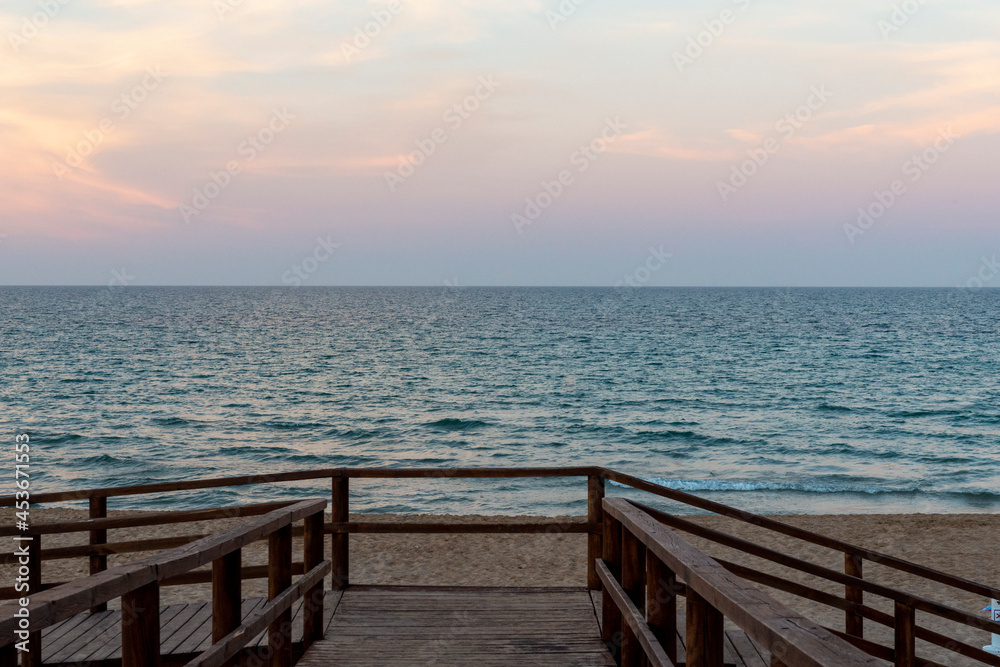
{"x": 776, "y": 400}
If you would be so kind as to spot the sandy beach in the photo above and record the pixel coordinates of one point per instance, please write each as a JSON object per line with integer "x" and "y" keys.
{"x": 960, "y": 544}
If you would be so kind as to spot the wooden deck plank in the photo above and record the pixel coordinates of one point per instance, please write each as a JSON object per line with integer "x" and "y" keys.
{"x": 260, "y": 640}
{"x": 489, "y": 627}
{"x": 746, "y": 650}
{"x": 168, "y": 630}
{"x": 82, "y": 646}
{"x": 88, "y": 627}
{"x": 247, "y": 607}
{"x": 331, "y": 602}
{"x": 54, "y": 631}
{"x": 201, "y": 627}
{"x": 764, "y": 653}
{"x": 369, "y": 626}
{"x": 95, "y": 641}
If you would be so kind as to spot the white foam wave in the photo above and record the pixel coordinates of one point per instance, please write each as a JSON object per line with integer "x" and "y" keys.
{"x": 691, "y": 485}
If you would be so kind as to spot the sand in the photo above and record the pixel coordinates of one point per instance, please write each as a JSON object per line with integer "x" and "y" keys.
{"x": 961, "y": 544}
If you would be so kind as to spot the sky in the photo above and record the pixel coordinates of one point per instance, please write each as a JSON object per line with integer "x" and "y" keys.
{"x": 500, "y": 142}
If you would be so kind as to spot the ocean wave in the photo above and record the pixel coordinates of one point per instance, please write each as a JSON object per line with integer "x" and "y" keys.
{"x": 719, "y": 485}
{"x": 290, "y": 425}
{"x": 907, "y": 414}
{"x": 455, "y": 424}
{"x": 358, "y": 433}
{"x": 687, "y": 436}
{"x": 56, "y": 438}
{"x": 747, "y": 485}
{"x": 831, "y": 407}
{"x": 103, "y": 459}
{"x": 174, "y": 421}
{"x": 844, "y": 448}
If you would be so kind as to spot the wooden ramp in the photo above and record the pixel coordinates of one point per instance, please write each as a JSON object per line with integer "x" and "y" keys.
{"x": 492, "y": 627}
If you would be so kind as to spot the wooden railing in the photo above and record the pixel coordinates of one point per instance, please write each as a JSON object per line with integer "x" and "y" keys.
{"x": 903, "y": 621}
{"x": 340, "y": 527}
{"x": 138, "y": 586}
{"x": 640, "y": 568}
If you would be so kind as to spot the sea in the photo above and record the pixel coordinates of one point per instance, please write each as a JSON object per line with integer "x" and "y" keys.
{"x": 769, "y": 399}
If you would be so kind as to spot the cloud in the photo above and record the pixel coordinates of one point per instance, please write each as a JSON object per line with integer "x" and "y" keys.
{"x": 227, "y": 69}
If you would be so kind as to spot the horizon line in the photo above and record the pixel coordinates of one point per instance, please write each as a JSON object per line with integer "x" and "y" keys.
{"x": 119, "y": 287}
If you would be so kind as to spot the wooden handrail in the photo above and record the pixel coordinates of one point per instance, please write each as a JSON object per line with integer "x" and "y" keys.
{"x": 802, "y": 534}
{"x": 589, "y": 471}
{"x": 149, "y": 519}
{"x": 231, "y": 644}
{"x": 377, "y": 527}
{"x": 656, "y": 654}
{"x": 791, "y": 638}
{"x": 861, "y": 610}
{"x": 305, "y": 475}
{"x": 484, "y": 473}
{"x": 63, "y": 602}
{"x": 901, "y": 597}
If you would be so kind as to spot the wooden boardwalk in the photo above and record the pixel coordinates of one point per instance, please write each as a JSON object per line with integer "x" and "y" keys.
{"x": 185, "y": 630}
{"x": 628, "y": 544}
{"x": 400, "y": 626}
{"x": 491, "y": 627}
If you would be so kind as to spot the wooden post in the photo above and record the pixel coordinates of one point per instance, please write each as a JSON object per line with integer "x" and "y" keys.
{"x": 340, "y": 551}
{"x": 661, "y": 603}
{"x": 854, "y": 624}
{"x": 8, "y": 656}
{"x": 98, "y": 563}
{"x": 905, "y": 644}
{"x": 633, "y": 582}
{"x": 141, "y": 627}
{"x": 227, "y": 602}
{"x": 595, "y": 514}
{"x": 611, "y": 625}
{"x": 279, "y": 578}
{"x": 704, "y": 632}
{"x": 33, "y": 658}
{"x": 312, "y": 555}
